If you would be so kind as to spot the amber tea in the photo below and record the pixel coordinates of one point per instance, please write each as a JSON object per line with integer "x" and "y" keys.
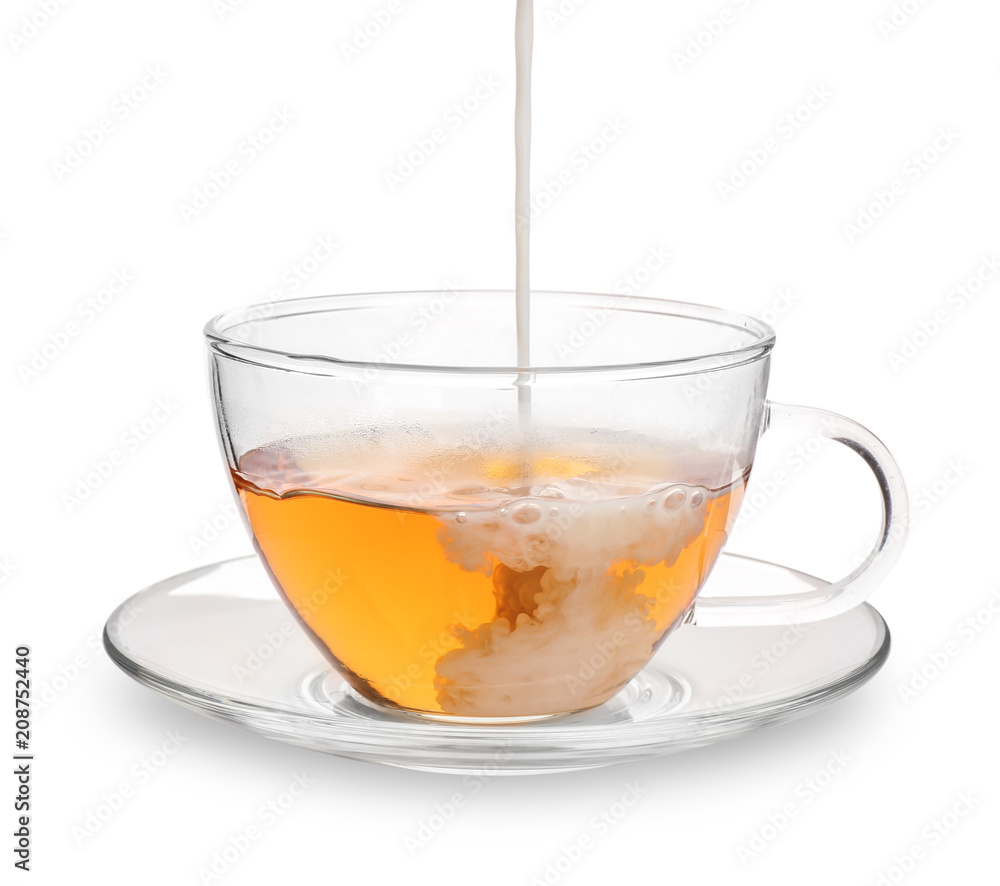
{"x": 478, "y": 585}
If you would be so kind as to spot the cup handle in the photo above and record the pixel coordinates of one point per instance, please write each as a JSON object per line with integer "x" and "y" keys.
{"x": 837, "y": 597}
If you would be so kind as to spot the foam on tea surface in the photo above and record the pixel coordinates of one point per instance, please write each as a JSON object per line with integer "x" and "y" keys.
{"x": 469, "y": 583}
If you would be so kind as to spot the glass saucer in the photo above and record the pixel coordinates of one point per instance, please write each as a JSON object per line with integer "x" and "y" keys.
{"x": 219, "y": 640}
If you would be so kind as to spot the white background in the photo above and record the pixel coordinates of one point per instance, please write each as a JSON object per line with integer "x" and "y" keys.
{"x": 64, "y": 233}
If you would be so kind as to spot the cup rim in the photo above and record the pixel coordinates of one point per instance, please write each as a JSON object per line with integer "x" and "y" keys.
{"x": 216, "y": 333}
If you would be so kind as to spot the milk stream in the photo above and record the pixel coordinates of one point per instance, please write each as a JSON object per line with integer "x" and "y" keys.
{"x": 524, "y": 38}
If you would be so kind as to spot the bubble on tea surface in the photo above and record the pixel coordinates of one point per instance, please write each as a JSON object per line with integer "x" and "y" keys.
{"x": 550, "y": 492}
{"x": 674, "y": 500}
{"x": 469, "y": 491}
{"x": 525, "y": 513}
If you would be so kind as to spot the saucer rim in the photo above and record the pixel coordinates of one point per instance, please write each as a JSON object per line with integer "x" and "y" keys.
{"x": 251, "y": 714}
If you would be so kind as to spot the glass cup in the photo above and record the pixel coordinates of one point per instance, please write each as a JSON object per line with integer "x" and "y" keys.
{"x": 465, "y": 539}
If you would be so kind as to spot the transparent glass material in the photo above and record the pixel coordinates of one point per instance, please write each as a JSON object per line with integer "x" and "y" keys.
{"x": 703, "y": 686}
{"x": 470, "y": 541}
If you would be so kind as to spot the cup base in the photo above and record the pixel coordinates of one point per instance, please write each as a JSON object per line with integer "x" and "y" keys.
{"x": 456, "y": 719}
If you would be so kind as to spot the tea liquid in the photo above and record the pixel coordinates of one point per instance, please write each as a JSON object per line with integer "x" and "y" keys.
{"x": 473, "y": 585}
